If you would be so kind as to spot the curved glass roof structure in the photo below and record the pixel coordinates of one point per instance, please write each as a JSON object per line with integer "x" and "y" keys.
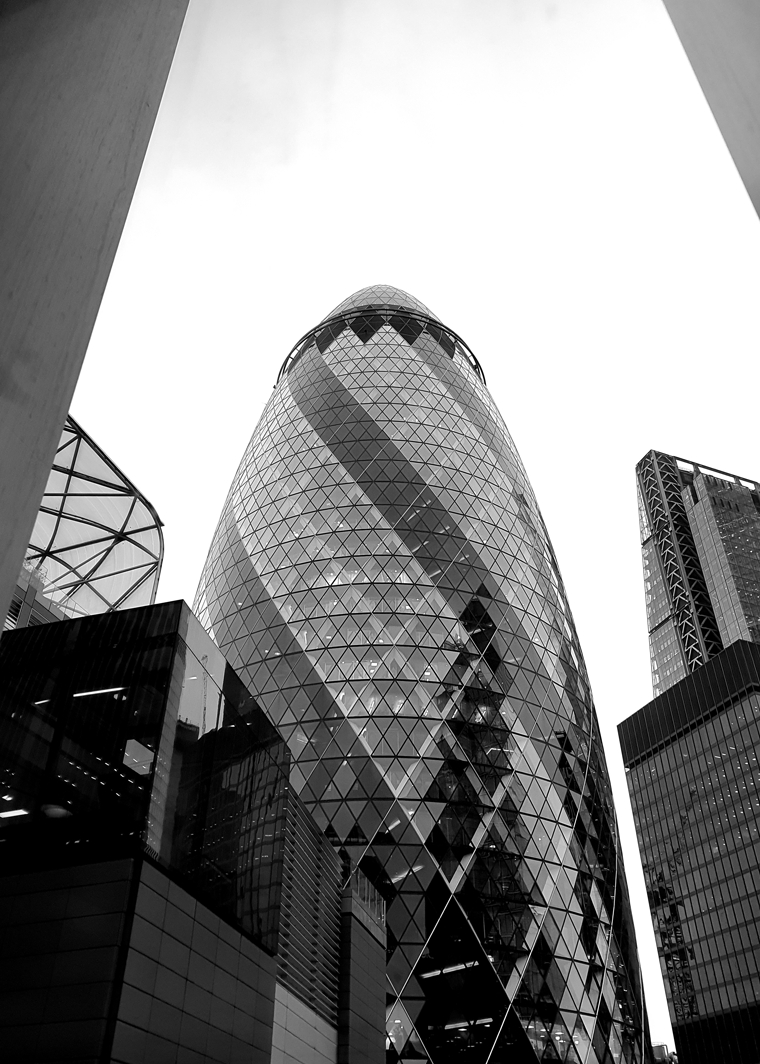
{"x": 367, "y": 311}
{"x": 97, "y": 542}
{"x": 382, "y": 579}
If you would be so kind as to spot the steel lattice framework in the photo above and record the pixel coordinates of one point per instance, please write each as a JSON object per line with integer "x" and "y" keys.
{"x": 382, "y": 578}
{"x": 97, "y": 541}
{"x": 666, "y": 527}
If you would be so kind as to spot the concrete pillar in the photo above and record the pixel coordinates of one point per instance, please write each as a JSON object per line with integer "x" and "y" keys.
{"x": 722, "y": 41}
{"x": 361, "y": 1003}
{"x": 80, "y": 85}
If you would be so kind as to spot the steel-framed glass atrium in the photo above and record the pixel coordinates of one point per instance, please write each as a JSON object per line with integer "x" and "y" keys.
{"x": 382, "y": 579}
{"x": 97, "y": 543}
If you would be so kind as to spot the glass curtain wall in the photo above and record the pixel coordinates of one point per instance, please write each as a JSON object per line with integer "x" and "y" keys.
{"x": 132, "y": 730}
{"x": 382, "y": 579}
{"x": 691, "y": 758}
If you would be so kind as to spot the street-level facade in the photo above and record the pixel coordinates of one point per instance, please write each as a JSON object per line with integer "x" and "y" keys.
{"x": 165, "y": 894}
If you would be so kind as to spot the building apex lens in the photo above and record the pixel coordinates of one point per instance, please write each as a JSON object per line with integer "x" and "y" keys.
{"x": 381, "y": 295}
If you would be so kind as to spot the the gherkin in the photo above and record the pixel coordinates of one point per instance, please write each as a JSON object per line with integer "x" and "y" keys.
{"x": 382, "y": 578}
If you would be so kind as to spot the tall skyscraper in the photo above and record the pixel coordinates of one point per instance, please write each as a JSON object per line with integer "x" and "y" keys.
{"x": 700, "y": 543}
{"x": 691, "y": 758}
{"x": 691, "y": 753}
{"x": 382, "y": 579}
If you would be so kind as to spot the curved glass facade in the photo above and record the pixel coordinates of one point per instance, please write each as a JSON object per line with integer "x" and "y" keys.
{"x": 382, "y": 579}
{"x": 97, "y": 543}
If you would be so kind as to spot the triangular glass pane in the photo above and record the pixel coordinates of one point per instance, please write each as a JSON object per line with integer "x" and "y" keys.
{"x": 141, "y": 517}
{"x": 44, "y": 527}
{"x": 94, "y": 466}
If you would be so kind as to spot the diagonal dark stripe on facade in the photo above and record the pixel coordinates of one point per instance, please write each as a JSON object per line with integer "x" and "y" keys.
{"x": 256, "y": 593}
{"x": 390, "y": 480}
{"x": 455, "y": 821}
{"x": 477, "y": 412}
{"x": 452, "y": 380}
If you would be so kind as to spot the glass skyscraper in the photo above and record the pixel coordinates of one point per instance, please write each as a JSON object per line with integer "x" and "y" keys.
{"x": 382, "y": 579}
{"x": 691, "y": 753}
{"x": 691, "y": 758}
{"x": 700, "y": 544}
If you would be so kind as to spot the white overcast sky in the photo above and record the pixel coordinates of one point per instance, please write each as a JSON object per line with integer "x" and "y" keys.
{"x": 544, "y": 174}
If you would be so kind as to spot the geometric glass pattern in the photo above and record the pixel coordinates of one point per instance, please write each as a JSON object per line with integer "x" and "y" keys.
{"x": 700, "y": 545}
{"x": 97, "y": 541}
{"x": 724, "y": 513}
{"x": 683, "y": 632}
{"x": 691, "y": 766}
{"x": 382, "y": 579}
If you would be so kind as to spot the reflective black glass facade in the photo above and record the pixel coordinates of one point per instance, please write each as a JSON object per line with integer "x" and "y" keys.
{"x": 691, "y": 757}
{"x": 700, "y": 544}
{"x": 130, "y": 749}
{"x": 131, "y": 728}
{"x": 382, "y": 579}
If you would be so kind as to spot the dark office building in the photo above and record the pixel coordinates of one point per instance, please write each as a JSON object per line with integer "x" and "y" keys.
{"x": 382, "y": 579}
{"x": 700, "y": 544}
{"x": 691, "y": 758}
{"x": 165, "y": 893}
{"x": 691, "y": 753}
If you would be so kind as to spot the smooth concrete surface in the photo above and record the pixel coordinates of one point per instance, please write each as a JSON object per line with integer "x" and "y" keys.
{"x": 299, "y": 1034}
{"x": 61, "y": 934}
{"x": 112, "y": 961}
{"x": 80, "y": 86}
{"x": 194, "y": 990}
{"x": 722, "y": 41}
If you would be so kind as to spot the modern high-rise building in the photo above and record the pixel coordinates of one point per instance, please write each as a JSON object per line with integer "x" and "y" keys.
{"x": 691, "y": 758}
{"x": 382, "y": 579}
{"x": 691, "y": 753}
{"x": 700, "y": 544}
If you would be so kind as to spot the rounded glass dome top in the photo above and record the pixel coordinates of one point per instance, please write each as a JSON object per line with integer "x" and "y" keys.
{"x": 381, "y": 295}
{"x": 382, "y": 581}
{"x": 370, "y": 309}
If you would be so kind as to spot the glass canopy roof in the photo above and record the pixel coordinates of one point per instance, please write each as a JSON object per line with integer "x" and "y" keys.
{"x": 97, "y": 542}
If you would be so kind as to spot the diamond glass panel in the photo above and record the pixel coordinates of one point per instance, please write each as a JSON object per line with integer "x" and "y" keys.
{"x": 382, "y": 579}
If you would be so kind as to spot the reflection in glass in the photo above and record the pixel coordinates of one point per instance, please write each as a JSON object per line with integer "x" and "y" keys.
{"x": 134, "y": 738}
